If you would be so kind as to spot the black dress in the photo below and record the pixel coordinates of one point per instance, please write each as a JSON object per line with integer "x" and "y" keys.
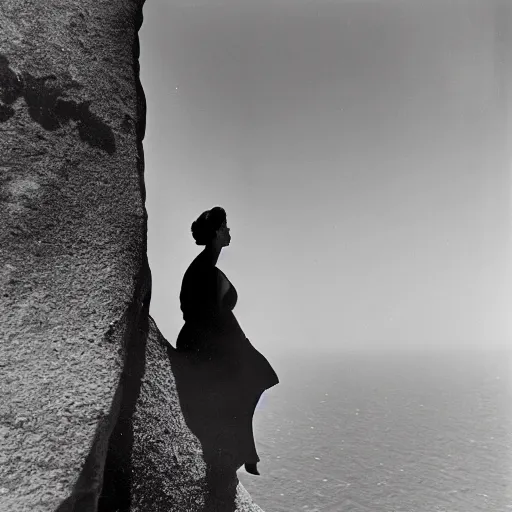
{"x": 229, "y": 373}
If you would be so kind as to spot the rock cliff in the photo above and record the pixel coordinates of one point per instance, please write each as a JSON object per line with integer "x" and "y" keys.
{"x": 90, "y": 418}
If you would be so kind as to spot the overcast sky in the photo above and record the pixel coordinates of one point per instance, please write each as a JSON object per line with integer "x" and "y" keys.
{"x": 362, "y": 153}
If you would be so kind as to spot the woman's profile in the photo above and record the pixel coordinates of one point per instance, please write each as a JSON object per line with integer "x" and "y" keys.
{"x": 231, "y": 372}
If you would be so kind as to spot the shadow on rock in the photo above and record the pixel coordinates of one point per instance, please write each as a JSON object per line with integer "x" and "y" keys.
{"x": 105, "y": 482}
{"x": 211, "y": 407}
{"x": 48, "y": 105}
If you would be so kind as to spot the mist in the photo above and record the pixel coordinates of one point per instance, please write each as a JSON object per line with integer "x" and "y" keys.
{"x": 362, "y": 153}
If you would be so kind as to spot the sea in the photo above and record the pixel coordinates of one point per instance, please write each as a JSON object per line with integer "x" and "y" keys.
{"x": 394, "y": 431}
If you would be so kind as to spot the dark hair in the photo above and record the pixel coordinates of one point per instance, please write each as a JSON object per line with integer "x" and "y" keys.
{"x": 207, "y": 224}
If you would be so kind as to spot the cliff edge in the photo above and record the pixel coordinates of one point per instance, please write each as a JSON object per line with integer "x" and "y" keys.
{"x": 90, "y": 418}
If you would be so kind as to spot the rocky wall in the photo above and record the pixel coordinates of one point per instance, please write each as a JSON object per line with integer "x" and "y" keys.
{"x": 89, "y": 417}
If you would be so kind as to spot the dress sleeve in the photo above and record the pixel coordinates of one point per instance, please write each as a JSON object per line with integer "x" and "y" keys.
{"x": 222, "y": 287}
{"x": 199, "y": 294}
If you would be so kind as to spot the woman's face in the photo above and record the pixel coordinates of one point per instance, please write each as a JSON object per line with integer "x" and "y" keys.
{"x": 223, "y": 235}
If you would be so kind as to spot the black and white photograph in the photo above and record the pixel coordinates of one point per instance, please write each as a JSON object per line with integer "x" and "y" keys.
{"x": 256, "y": 255}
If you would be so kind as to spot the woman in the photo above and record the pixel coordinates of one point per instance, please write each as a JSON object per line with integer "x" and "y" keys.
{"x": 236, "y": 373}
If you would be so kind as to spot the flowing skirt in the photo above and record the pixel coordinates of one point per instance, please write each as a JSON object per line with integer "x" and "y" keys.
{"x": 223, "y": 380}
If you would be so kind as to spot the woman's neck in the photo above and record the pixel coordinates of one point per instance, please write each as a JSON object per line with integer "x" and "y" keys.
{"x": 212, "y": 253}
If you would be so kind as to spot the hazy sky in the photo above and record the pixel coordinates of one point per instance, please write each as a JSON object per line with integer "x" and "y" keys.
{"x": 361, "y": 150}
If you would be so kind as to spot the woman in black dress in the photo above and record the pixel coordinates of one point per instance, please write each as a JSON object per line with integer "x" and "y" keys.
{"x": 232, "y": 372}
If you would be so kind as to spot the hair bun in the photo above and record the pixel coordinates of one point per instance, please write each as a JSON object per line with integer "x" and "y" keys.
{"x": 206, "y": 225}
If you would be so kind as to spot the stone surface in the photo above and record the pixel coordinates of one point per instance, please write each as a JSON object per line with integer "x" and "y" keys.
{"x": 83, "y": 370}
{"x": 72, "y": 237}
{"x": 165, "y": 471}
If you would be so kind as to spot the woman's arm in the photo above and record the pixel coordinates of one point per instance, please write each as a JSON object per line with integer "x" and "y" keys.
{"x": 222, "y": 289}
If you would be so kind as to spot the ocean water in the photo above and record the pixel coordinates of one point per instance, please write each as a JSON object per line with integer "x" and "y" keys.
{"x": 394, "y": 432}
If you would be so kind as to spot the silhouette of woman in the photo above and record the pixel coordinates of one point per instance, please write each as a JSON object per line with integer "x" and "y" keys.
{"x": 233, "y": 372}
